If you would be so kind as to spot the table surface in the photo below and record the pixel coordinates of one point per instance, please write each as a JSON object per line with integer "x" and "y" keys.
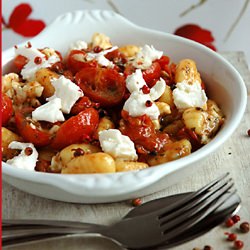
{"x": 233, "y": 157}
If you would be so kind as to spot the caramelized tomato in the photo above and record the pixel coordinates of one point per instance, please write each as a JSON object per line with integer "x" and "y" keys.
{"x": 77, "y": 61}
{"x": 142, "y": 132}
{"x": 185, "y": 133}
{"x": 76, "y": 129}
{"x": 103, "y": 85}
{"x": 7, "y": 109}
{"x": 31, "y": 132}
{"x": 129, "y": 69}
{"x": 152, "y": 73}
{"x": 20, "y": 61}
{"x": 117, "y": 58}
{"x": 163, "y": 61}
{"x": 82, "y": 104}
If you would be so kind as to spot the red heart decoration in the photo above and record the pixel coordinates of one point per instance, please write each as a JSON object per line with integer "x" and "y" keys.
{"x": 20, "y": 23}
{"x": 196, "y": 33}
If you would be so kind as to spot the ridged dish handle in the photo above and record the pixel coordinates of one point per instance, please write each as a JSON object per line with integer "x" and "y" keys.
{"x": 93, "y": 17}
{"x": 86, "y": 22}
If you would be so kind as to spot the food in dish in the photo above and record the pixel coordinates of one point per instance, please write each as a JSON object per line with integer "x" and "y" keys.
{"x": 103, "y": 108}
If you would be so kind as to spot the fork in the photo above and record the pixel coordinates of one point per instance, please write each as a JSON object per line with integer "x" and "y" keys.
{"x": 142, "y": 232}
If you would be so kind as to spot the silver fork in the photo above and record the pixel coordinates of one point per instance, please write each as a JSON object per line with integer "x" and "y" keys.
{"x": 141, "y": 232}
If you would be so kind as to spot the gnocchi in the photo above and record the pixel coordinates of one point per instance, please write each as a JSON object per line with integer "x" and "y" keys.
{"x": 44, "y": 77}
{"x": 123, "y": 166}
{"x": 167, "y": 97}
{"x": 129, "y": 50}
{"x": 173, "y": 151}
{"x": 21, "y": 94}
{"x": 66, "y": 155}
{"x": 101, "y": 40}
{"x": 8, "y": 137}
{"x": 90, "y": 163}
{"x": 186, "y": 70}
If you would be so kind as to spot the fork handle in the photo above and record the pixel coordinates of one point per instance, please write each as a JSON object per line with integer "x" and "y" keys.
{"x": 32, "y": 223}
{"x": 14, "y": 236}
{"x": 29, "y": 239}
{"x": 13, "y": 232}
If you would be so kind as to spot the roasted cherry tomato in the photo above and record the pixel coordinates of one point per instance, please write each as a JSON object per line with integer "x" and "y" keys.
{"x": 103, "y": 85}
{"x": 191, "y": 136}
{"x": 142, "y": 132}
{"x": 77, "y": 61}
{"x": 117, "y": 58}
{"x": 59, "y": 54}
{"x": 76, "y": 129}
{"x": 58, "y": 67}
{"x": 31, "y": 131}
{"x": 163, "y": 61}
{"x": 20, "y": 61}
{"x": 129, "y": 69}
{"x": 152, "y": 73}
{"x": 82, "y": 104}
{"x": 7, "y": 109}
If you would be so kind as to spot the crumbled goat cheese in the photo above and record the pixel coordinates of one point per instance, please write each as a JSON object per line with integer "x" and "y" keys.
{"x": 189, "y": 95}
{"x": 29, "y": 70}
{"x": 158, "y": 89}
{"x": 100, "y": 57}
{"x": 67, "y": 91}
{"x": 135, "y": 105}
{"x": 50, "y": 111}
{"x": 23, "y": 160}
{"x": 135, "y": 81}
{"x": 146, "y": 56}
{"x": 117, "y": 145}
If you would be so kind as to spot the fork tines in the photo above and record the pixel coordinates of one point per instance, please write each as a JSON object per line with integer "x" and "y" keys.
{"x": 186, "y": 213}
{"x": 219, "y": 182}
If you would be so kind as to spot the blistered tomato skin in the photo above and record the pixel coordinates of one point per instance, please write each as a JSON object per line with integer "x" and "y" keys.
{"x": 129, "y": 69}
{"x": 163, "y": 61}
{"x": 30, "y": 132}
{"x": 20, "y": 61}
{"x": 185, "y": 133}
{"x": 103, "y": 85}
{"x": 77, "y": 61}
{"x": 76, "y": 129}
{"x": 152, "y": 73}
{"x": 7, "y": 109}
{"x": 142, "y": 132}
{"x": 82, "y": 104}
{"x": 117, "y": 58}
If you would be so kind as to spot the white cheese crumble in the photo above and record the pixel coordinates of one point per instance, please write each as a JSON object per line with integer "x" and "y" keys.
{"x": 29, "y": 70}
{"x": 117, "y": 145}
{"x": 189, "y": 95}
{"x": 100, "y": 57}
{"x": 50, "y": 111}
{"x": 146, "y": 56}
{"x": 67, "y": 91}
{"x": 135, "y": 105}
{"x": 78, "y": 45}
{"x": 158, "y": 89}
{"x": 22, "y": 160}
{"x": 135, "y": 81}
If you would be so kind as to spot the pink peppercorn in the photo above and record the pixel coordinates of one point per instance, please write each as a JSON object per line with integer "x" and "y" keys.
{"x": 238, "y": 244}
